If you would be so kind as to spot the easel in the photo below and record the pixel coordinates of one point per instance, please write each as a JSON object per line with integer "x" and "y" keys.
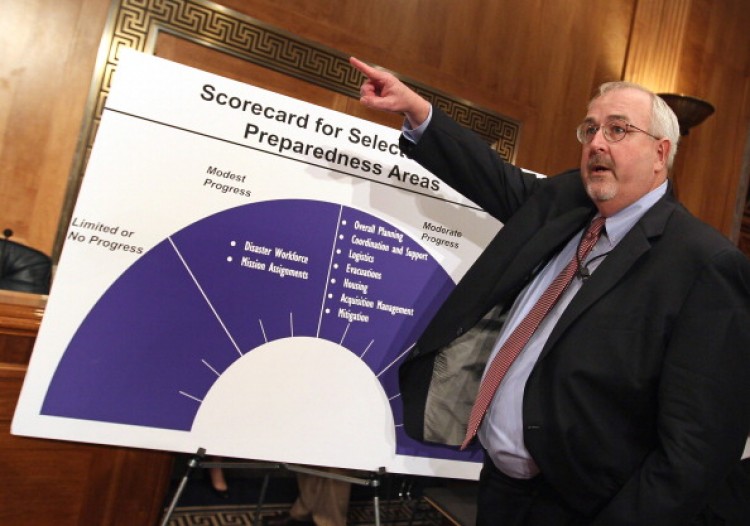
{"x": 196, "y": 461}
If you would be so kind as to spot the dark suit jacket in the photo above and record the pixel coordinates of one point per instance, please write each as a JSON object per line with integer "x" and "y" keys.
{"x": 639, "y": 405}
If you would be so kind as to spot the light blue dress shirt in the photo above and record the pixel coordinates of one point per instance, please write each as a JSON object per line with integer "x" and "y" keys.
{"x": 501, "y": 432}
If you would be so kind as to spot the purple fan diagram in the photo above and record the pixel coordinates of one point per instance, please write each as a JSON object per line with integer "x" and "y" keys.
{"x": 208, "y": 296}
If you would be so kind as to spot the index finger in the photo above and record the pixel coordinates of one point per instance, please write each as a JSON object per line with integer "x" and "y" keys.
{"x": 368, "y": 71}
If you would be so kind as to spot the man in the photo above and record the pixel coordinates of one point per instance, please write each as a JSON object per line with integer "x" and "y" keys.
{"x": 624, "y": 393}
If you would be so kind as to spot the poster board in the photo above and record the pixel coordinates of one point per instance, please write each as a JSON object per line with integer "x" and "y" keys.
{"x": 244, "y": 272}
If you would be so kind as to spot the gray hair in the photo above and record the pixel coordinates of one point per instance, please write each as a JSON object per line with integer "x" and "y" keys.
{"x": 663, "y": 120}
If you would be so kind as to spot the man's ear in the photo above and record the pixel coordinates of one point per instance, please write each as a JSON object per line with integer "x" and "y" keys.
{"x": 662, "y": 154}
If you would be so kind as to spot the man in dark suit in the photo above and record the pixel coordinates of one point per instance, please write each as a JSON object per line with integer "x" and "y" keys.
{"x": 628, "y": 401}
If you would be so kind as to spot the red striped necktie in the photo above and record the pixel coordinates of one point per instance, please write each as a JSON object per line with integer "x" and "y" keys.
{"x": 522, "y": 333}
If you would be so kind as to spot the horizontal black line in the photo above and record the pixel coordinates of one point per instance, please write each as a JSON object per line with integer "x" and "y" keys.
{"x": 322, "y": 166}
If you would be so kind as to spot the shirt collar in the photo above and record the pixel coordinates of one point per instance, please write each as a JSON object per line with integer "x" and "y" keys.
{"x": 620, "y": 223}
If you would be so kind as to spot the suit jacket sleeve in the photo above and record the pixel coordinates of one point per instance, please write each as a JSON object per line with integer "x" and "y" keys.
{"x": 460, "y": 158}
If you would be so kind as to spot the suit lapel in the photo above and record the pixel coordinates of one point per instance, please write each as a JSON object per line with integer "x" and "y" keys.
{"x": 506, "y": 269}
{"x": 617, "y": 263}
{"x": 544, "y": 244}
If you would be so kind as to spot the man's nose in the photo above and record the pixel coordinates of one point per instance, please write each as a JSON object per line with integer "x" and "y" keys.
{"x": 598, "y": 141}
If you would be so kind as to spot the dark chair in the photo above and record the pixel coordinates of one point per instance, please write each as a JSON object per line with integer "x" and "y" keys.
{"x": 23, "y": 268}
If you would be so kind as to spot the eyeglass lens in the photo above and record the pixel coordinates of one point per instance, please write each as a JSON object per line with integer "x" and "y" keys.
{"x": 613, "y": 131}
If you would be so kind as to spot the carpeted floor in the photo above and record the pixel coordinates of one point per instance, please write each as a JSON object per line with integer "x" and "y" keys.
{"x": 197, "y": 505}
{"x": 394, "y": 513}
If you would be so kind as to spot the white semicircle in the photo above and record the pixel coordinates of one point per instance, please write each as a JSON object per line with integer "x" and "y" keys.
{"x": 301, "y": 400}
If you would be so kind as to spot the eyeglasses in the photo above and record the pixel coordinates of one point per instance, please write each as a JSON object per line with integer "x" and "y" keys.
{"x": 613, "y": 131}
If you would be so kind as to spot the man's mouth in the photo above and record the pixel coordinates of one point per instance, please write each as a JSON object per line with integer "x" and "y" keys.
{"x": 598, "y": 166}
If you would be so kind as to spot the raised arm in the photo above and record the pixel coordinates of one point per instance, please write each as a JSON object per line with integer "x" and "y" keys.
{"x": 383, "y": 91}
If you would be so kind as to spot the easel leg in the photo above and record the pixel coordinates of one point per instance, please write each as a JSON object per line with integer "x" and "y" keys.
{"x": 375, "y": 483}
{"x": 192, "y": 464}
{"x": 261, "y": 499}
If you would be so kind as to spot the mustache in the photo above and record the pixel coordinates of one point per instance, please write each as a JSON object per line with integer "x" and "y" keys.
{"x": 601, "y": 161}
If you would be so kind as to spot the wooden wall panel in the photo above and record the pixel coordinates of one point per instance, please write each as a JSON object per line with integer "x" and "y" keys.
{"x": 48, "y": 55}
{"x": 715, "y": 65}
{"x": 684, "y": 46}
{"x": 20, "y": 317}
{"x": 656, "y": 44}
